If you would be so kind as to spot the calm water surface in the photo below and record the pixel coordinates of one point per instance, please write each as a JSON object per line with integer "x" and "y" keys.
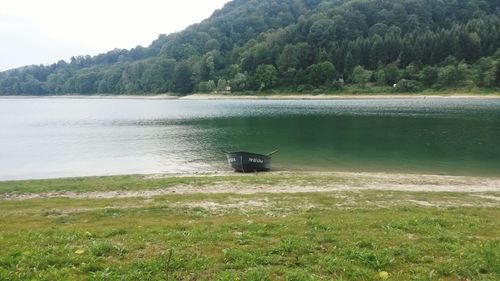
{"x": 45, "y": 138}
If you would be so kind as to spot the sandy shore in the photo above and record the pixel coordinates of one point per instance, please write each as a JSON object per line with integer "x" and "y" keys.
{"x": 288, "y": 182}
{"x": 334, "y": 97}
{"x": 267, "y": 97}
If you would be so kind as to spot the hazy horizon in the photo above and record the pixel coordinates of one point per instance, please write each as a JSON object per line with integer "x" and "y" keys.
{"x": 54, "y": 30}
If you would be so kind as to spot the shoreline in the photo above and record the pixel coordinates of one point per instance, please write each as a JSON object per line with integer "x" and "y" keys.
{"x": 381, "y": 96}
{"x": 124, "y": 97}
{"x": 336, "y": 97}
{"x": 154, "y": 185}
{"x": 278, "y": 172}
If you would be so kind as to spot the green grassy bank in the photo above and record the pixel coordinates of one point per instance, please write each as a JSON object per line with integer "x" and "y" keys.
{"x": 336, "y": 234}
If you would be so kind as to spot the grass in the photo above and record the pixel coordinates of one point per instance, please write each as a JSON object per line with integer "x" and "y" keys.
{"x": 339, "y": 235}
{"x": 141, "y": 182}
{"x": 132, "y": 182}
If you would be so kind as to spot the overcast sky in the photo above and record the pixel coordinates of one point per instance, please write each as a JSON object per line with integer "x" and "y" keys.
{"x": 43, "y": 32}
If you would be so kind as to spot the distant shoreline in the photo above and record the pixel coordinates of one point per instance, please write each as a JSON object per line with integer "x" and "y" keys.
{"x": 269, "y": 97}
{"x": 333, "y": 97}
{"x": 156, "y": 97}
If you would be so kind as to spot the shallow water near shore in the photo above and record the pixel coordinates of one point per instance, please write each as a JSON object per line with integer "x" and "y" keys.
{"x": 47, "y": 138}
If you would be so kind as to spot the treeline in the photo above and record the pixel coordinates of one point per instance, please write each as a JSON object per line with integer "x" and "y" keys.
{"x": 295, "y": 45}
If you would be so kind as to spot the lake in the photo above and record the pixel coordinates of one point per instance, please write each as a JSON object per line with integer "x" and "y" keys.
{"x": 48, "y": 138}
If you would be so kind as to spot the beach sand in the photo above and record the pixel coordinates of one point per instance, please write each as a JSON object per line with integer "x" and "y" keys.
{"x": 287, "y": 182}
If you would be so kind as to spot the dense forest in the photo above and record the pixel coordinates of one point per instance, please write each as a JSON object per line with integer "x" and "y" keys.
{"x": 294, "y": 45}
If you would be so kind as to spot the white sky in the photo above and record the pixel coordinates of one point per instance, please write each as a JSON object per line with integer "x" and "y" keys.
{"x": 45, "y": 31}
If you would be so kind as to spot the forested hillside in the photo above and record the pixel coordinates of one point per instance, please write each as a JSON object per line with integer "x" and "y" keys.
{"x": 294, "y": 45}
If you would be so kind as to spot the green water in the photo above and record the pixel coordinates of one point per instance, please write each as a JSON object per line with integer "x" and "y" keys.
{"x": 46, "y": 138}
{"x": 439, "y": 137}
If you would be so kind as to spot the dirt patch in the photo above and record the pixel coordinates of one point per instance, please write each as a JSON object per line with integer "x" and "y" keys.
{"x": 490, "y": 197}
{"x": 216, "y": 206}
{"x": 422, "y": 203}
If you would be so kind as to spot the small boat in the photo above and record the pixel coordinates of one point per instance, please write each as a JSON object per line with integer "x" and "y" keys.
{"x": 247, "y": 162}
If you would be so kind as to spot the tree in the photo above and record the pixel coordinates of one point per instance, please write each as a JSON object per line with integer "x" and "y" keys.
{"x": 289, "y": 58}
{"x": 112, "y": 80}
{"x": 207, "y": 66}
{"x": 361, "y": 76}
{"x": 380, "y": 77}
{"x": 446, "y": 75}
{"x": 289, "y": 78}
{"x": 306, "y": 56}
{"x": 211, "y": 86}
{"x": 348, "y": 66}
{"x": 453, "y": 76}
{"x": 377, "y": 52}
{"x": 321, "y": 32}
{"x": 266, "y": 76}
{"x": 405, "y": 85}
{"x": 378, "y": 29}
{"x": 131, "y": 77}
{"x": 86, "y": 83}
{"x": 411, "y": 72}
{"x": 221, "y": 85}
{"x": 485, "y": 72}
{"x": 212, "y": 45}
{"x": 321, "y": 73}
{"x": 156, "y": 76}
{"x": 497, "y": 79}
{"x": 182, "y": 78}
{"x": 429, "y": 75}
{"x": 239, "y": 82}
{"x": 55, "y": 82}
{"x": 392, "y": 74}
{"x": 470, "y": 46}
